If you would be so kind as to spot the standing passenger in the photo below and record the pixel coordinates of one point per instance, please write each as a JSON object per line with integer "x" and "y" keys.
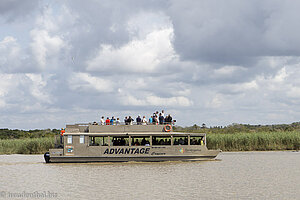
{"x": 130, "y": 120}
{"x": 163, "y": 113}
{"x": 161, "y": 119}
{"x": 138, "y": 120}
{"x": 150, "y": 120}
{"x": 144, "y": 121}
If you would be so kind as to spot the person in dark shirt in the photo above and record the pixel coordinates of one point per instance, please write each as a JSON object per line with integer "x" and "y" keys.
{"x": 139, "y": 120}
{"x": 161, "y": 119}
{"x": 143, "y": 141}
{"x": 176, "y": 142}
{"x": 137, "y": 142}
{"x": 130, "y": 120}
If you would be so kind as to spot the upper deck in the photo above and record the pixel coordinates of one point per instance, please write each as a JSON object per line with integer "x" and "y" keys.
{"x": 123, "y": 130}
{"x": 89, "y": 128}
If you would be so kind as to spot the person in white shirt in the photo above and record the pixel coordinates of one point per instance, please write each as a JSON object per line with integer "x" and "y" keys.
{"x": 118, "y": 121}
{"x": 102, "y": 121}
{"x": 163, "y": 113}
{"x": 144, "y": 121}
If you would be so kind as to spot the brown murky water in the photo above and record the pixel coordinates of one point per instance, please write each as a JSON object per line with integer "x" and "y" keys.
{"x": 240, "y": 175}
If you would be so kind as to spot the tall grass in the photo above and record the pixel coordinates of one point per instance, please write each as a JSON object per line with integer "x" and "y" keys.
{"x": 262, "y": 141}
{"x": 26, "y": 146}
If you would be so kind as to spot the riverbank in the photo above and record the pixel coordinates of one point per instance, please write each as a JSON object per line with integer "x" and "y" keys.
{"x": 262, "y": 141}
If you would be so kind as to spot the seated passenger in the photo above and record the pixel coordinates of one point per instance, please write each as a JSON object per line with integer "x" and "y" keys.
{"x": 143, "y": 141}
{"x": 122, "y": 142}
{"x": 181, "y": 142}
{"x": 107, "y": 121}
{"x": 176, "y": 142}
{"x": 193, "y": 141}
{"x": 185, "y": 141}
{"x": 161, "y": 142}
{"x": 166, "y": 142}
{"x": 137, "y": 143}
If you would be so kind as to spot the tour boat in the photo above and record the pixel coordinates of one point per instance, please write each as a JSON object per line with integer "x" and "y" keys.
{"x": 124, "y": 143}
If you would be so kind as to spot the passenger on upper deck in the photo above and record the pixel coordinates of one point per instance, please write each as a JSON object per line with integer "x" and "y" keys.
{"x": 126, "y": 120}
{"x": 107, "y": 121}
{"x": 168, "y": 119}
{"x": 144, "y": 121}
{"x": 138, "y": 120}
{"x": 118, "y": 121}
{"x": 130, "y": 120}
{"x": 62, "y": 132}
{"x": 161, "y": 119}
{"x": 102, "y": 120}
{"x": 112, "y": 121}
{"x": 155, "y": 120}
{"x": 163, "y": 113}
{"x": 150, "y": 120}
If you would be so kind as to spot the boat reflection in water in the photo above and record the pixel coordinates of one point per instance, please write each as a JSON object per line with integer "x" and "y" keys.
{"x": 123, "y": 143}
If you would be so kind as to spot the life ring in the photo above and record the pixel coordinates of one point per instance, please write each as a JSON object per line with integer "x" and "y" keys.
{"x": 167, "y": 128}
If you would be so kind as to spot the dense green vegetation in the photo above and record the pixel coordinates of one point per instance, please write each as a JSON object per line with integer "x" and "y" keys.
{"x": 235, "y": 137}
{"x": 26, "y": 142}
{"x": 244, "y": 137}
{"x": 26, "y": 146}
{"x": 263, "y": 141}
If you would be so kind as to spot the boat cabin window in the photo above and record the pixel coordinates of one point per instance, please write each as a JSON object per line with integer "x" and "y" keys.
{"x": 120, "y": 141}
{"x": 199, "y": 140}
{"x": 69, "y": 139}
{"x": 81, "y": 139}
{"x": 140, "y": 141}
{"x": 98, "y": 140}
{"x": 180, "y": 140}
{"x": 161, "y": 140}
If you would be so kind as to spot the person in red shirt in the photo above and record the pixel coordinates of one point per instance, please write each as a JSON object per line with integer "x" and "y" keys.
{"x": 107, "y": 121}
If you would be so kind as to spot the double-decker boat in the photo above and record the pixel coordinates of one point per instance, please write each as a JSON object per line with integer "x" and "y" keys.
{"x": 123, "y": 143}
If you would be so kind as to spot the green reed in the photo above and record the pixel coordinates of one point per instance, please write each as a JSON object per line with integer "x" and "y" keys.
{"x": 262, "y": 141}
{"x": 26, "y": 146}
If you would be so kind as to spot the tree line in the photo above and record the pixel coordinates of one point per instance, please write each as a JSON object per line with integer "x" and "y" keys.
{"x": 21, "y": 134}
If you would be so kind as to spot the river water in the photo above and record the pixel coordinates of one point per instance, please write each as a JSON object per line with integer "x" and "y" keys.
{"x": 237, "y": 175}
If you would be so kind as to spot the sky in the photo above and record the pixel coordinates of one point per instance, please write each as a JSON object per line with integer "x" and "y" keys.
{"x": 207, "y": 61}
